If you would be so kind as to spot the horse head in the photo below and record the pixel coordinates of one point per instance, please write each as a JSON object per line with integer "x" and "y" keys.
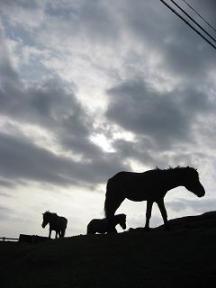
{"x": 45, "y": 219}
{"x": 192, "y": 183}
{"x": 122, "y": 220}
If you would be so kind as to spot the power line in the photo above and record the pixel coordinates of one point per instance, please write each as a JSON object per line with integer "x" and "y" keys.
{"x": 194, "y": 21}
{"x": 188, "y": 23}
{"x": 196, "y": 12}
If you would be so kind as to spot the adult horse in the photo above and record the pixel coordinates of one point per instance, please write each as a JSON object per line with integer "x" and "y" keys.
{"x": 56, "y": 223}
{"x": 150, "y": 186}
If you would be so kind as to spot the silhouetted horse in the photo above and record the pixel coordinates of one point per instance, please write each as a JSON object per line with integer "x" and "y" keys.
{"x": 151, "y": 186}
{"x": 106, "y": 225}
{"x": 56, "y": 223}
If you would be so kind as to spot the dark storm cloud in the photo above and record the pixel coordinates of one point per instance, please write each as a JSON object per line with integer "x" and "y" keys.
{"x": 207, "y": 8}
{"x": 98, "y": 20}
{"x": 150, "y": 154}
{"x": 5, "y": 183}
{"x": 160, "y": 121}
{"x": 166, "y": 119}
{"x": 51, "y": 105}
{"x": 23, "y": 161}
{"x": 19, "y": 3}
{"x": 47, "y": 102}
{"x": 79, "y": 21}
{"x": 183, "y": 51}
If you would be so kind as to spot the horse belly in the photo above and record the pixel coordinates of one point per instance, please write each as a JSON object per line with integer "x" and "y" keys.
{"x": 140, "y": 195}
{"x": 98, "y": 226}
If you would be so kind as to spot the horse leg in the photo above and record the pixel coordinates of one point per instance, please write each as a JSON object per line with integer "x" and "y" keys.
{"x": 148, "y": 213}
{"x": 111, "y": 205}
{"x": 62, "y": 233}
{"x": 163, "y": 212}
{"x": 50, "y": 233}
{"x": 112, "y": 230}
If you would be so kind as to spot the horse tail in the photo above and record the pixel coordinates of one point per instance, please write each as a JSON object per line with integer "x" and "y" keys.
{"x": 89, "y": 229}
{"x": 108, "y": 200}
{"x": 65, "y": 221}
{"x": 113, "y": 197}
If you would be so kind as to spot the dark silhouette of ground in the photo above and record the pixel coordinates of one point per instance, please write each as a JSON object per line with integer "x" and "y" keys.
{"x": 150, "y": 186}
{"x": 31, "y": 238}
{"x": 184, "y": 256}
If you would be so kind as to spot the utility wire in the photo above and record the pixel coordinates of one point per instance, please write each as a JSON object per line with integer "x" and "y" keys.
{"x": 188, "y": 23}
{"x": 196, "y": 12}
{"x": 194, "y": 21}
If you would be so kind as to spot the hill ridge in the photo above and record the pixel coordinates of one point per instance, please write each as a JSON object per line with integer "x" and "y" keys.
{"x": 183, "y": 256}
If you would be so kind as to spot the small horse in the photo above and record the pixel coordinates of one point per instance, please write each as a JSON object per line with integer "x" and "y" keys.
{"x": 150, "y": 186}
{"x": 106, "y": 225}
{"x": 56, "y": 223}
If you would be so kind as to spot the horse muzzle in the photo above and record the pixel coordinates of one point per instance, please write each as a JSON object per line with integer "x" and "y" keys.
{"x": 198, "y": 190}
{"x": 201, "y": 191}
{"x": 124, "y": 226}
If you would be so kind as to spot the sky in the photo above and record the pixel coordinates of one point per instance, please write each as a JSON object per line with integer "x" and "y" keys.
{"x": 91, "y": 88}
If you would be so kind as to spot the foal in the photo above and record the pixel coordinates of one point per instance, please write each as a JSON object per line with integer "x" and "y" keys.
{"x": 106, "y": 225}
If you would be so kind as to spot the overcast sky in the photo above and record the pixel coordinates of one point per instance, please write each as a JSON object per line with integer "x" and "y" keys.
{"x": 91, "y": 88}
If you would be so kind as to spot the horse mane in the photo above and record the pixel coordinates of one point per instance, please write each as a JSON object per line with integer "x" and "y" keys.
{"x": 50, "y": 213}
{"x": 176, "y": 169}
{"x": 120, "y": 216}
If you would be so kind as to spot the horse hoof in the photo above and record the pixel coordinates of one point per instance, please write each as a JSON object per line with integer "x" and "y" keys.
{"x": 147, "y": 229}
{"x": 167, "y": 228}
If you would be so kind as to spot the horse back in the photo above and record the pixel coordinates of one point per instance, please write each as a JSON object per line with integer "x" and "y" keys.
{"x": 97, "y": 225}
{"x": 59, "y": 223}
{"x": 63, "y": 222}
{"x": 135, "y": 186}
{"x": 128, "y": 179}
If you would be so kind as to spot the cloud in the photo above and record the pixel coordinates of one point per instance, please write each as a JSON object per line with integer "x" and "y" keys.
{"x": 181, "y": 51}
{"x": 167, "y": 119}
{"x": 181, "y": 205}
{"x": 22, "y": 161}
{"x": 17, "y": 12}
{"x": 52, "y": 105}
{"x": 160, "y": 120}
{"x": 55, "y": 108}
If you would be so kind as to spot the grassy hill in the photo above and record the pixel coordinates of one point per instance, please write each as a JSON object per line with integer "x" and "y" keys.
{"x": 181, "y": 257}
